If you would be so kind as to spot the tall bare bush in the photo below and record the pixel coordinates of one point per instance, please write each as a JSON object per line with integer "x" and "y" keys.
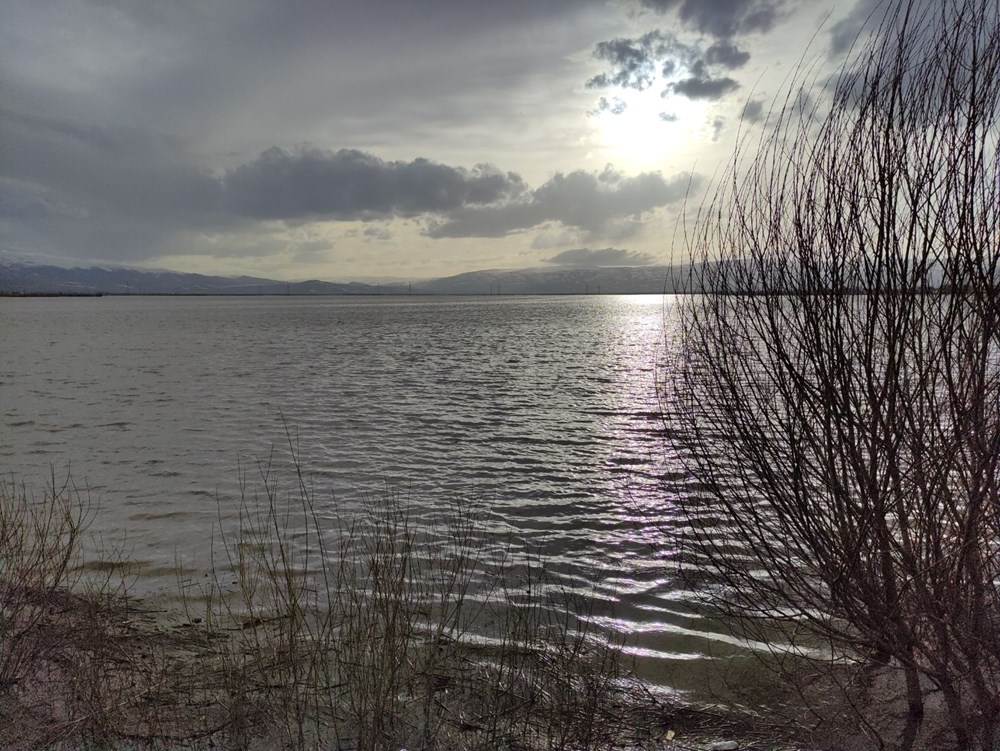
{"x": 63, "y": 648}
{"x": 838, "y": 393}
{"x": 39, "y": 548}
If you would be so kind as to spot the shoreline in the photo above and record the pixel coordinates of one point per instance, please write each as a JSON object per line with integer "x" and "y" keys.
{"x": 121, "y": 670}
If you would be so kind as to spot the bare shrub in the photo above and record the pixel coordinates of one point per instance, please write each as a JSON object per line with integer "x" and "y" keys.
{"x": 39, "y": 546}
{"x": 65, "y": 652}
{"x": 838, "y": 390}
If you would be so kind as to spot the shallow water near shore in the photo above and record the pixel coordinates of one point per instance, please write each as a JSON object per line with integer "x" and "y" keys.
{"x": 542, "y": 409}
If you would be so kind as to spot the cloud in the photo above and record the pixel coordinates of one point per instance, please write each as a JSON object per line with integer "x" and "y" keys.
{"x": 687, "y": 69}
{"x": 726, "y": 55}
{"x": 244, "y": 74}
{"x": 704, "y": 88}
{"x": 594, "y": 202}
{"x": 633, "y": 61}
{"x": 352, "y": 184}
{"x": 554, "y": 238}
{"x": 104, "y": 168}
{"x": 99, "y": 192}
{"x": 753, "y": 111}
{"x": 22, "y": 207}
{"x": 718, "y": 125}
{"x": 723, "y": 18}
{"x": 376, "y": 233}
{"x": 123, "y": 195}
{"x": 658, "y": 57}
{"x": 600, "y": 258}
{"x": 922, "y": 20}
{"x": 615, "y": 106}
{"x": 847, "y": 31}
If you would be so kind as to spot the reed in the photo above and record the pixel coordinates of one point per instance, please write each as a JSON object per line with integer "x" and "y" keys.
{"x": 359, "y": 631}
{"x": 372, "y": 632}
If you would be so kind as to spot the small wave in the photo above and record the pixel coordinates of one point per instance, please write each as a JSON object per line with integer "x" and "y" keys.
{"x": 121, "y": 425}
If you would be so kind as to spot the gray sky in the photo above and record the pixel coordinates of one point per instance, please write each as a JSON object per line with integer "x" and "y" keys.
{"x": 404, "y": 138}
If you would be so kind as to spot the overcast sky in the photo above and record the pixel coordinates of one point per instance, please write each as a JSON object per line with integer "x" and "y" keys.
{"x": 343, "y": 139}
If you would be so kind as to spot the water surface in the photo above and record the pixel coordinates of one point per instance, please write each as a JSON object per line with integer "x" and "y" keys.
{"x": 543, "y": 408}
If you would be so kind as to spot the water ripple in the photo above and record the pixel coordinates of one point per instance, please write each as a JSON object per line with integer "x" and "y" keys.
{"x": 544, "y": 409}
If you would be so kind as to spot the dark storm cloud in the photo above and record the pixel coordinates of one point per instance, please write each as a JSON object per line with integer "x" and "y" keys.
{"x": 582, "y": 200}
{"x": 723, "y": 18}
{"x": 638, "y": 63}
{"x": 603, "y": 257}
{"x": 351, "y": 184}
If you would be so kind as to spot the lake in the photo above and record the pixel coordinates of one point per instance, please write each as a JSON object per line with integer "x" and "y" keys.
{"x": 543, "y": 408}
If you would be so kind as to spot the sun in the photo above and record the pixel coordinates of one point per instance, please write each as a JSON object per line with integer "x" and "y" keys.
{"x": 641, "y": 130}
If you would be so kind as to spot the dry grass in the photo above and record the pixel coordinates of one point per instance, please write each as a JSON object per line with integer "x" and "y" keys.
{"x": 360, "y": 633}
{"x": 376, "y": 634}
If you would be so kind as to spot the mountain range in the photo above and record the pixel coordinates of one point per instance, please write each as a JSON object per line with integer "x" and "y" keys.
{"x": 18, "y": 277}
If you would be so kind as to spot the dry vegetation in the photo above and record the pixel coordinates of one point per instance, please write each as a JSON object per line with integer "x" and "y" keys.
{"x": 838, "y": 397}
{"x": 367, "y": 636}
{"x": 837, "y": 405}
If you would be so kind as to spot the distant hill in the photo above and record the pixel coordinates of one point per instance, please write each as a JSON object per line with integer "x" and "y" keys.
{"x": 564, "y": 281}
{"x": 21, "y": 277}
{"x": 28, "y": 278}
